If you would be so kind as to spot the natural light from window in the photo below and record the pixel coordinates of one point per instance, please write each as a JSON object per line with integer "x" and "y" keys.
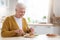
{"x": 36, "y": 10}
{"x": 3, "y": 8}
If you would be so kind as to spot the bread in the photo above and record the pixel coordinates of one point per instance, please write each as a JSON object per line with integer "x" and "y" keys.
{"x": 51, "y": 35}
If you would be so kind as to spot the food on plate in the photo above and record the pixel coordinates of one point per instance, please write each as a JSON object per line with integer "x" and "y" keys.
{"x": 28, "y": 36}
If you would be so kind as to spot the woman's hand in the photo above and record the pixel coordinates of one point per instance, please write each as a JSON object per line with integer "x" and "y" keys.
{"x": 16, "y": 31}
{"x": 20, "y": 32}
{"x": 32, "y": 31}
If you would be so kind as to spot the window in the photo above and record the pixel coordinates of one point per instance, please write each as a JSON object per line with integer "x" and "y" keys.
{"x": 37, "y": 10}
{"x": 2, "y": 8}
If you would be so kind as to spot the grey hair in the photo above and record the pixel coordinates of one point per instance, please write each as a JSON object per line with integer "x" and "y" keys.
{"x": 20, "y": 5}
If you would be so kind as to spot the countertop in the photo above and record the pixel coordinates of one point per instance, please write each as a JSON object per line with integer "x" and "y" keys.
{"x": 39, "y": 37}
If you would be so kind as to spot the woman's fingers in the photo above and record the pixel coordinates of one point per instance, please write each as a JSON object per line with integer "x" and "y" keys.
{"x": 31, "y": 29}
{"x": 17, "y": 31}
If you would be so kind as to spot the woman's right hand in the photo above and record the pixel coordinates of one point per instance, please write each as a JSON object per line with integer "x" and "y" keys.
{"x": 16, "y": 31}
{"x": 20, "y": 32}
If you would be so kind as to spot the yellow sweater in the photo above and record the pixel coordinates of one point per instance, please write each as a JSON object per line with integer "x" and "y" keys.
{"x": 10, "y": 25}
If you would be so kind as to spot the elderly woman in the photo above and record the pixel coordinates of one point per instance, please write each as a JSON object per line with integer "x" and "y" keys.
{"x": 16, "y": 25}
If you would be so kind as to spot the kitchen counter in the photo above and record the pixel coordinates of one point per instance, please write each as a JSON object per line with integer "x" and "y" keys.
{"x": 36, "y": 24}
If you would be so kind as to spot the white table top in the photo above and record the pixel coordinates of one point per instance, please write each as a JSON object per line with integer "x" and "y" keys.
{"x": 39, "y": 37}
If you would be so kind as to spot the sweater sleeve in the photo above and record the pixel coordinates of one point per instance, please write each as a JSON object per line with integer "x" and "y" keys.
{"x": 28, "y": 28}
{"x": 5, "y": 29}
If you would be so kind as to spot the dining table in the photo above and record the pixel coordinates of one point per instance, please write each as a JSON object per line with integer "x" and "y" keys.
{"x": 37, "y": 37}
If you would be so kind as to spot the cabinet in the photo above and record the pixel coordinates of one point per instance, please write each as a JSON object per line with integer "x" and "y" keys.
{"x": 45, "y": 29}
{"x": 56, "y": 30}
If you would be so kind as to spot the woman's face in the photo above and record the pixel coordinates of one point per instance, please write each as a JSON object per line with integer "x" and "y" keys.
{"x": 20, "y": 12}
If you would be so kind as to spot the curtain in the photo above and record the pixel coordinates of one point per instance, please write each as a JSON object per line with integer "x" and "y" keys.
{"x": 53, "y": 18}
{"x": 51, "y": 13}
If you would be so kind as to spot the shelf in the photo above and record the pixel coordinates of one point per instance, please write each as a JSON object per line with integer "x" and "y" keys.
{"x": 35, "y": 24}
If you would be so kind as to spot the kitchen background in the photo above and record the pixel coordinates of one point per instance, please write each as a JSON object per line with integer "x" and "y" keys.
{"x": 37, "y": 13}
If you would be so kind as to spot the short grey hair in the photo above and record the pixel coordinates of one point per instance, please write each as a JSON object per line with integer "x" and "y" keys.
{"x": 20, "y": 5}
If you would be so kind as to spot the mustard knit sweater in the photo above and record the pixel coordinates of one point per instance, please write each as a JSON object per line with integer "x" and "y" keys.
{"x": 9, "y": 25}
